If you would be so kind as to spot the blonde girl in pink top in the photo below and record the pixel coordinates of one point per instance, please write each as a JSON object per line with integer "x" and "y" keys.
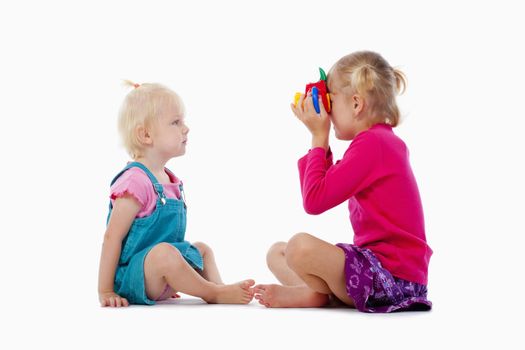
{"x": 385, "y": 269}
{"x": 145, "y": 255}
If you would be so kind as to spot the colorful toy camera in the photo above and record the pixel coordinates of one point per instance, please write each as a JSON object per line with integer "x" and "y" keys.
{"x": 318, "y": 88}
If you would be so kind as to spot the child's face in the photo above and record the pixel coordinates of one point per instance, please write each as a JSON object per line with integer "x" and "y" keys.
{"x": 170, "y": 133}
{"x": 341, "y": 116}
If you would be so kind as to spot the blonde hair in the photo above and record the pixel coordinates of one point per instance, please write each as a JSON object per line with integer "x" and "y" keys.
{"x": 370, "y": 75}
{"x": 141, "y": 107}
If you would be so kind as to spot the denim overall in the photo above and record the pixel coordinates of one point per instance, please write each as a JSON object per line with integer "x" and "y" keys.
{"x": 167, "y": 224}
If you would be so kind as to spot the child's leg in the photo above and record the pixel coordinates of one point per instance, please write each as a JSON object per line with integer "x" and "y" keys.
{"x": 276, "y": 262}
{"x": 210, "y": 272}
{"x": 164, "y": 264}
{"x": 294, "y": 292}
{"x": 319, "y": 264}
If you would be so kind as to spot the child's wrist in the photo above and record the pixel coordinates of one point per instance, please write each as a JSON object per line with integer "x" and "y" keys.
{"x": 105, "y": 290}
{"x": 320, "y": 141}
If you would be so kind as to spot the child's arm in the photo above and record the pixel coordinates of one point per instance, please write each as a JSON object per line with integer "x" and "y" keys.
{"x": 124, "y": 211}
{"x": 323, "y": 187}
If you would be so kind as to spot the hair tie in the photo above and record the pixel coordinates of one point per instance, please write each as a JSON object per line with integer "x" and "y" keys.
{"x": 136, "y": 85}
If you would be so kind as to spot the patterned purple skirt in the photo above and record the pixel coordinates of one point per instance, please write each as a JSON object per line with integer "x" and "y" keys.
{"x": 374, "y": 289}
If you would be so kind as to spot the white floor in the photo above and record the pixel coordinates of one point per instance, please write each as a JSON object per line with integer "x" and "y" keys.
{"x": 188, "y": 322}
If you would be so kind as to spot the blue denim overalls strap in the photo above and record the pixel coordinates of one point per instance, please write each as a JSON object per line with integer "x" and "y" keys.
{"x": 167, "y": 224}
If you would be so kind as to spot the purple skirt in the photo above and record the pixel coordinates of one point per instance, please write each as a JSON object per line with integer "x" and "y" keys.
{"x": 374, "y": 289}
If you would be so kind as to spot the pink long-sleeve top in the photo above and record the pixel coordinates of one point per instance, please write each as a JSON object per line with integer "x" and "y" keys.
{"x": 383, "y": 198}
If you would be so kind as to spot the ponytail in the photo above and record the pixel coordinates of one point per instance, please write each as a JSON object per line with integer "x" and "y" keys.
{"x": 129, "y": 83}
{"x": 401, "y": 81}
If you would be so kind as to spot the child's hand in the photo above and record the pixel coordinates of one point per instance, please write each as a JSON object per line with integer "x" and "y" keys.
{"x": 317, "y": 124}
{"x": 112, "y": 299}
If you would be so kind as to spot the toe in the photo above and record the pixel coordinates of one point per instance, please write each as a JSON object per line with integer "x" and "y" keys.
{"x": 248, "y": 283}
{"x": 259, "y": 288}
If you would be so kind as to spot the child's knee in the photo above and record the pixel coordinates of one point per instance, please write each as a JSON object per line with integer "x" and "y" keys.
{"x": 164, "y": 256}
{"x": 298, "y": 248}
{"x": 275, "y": 252}
{"x": 203, "y": 248}
{"x": 276, "y": 249}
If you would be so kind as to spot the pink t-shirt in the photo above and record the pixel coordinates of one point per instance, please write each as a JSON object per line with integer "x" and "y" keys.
{"x": 136, "y": 182}
{"x": 386, "y": 213}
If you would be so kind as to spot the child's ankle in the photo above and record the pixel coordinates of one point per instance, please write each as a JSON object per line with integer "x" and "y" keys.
{"x": 212, "y": 293}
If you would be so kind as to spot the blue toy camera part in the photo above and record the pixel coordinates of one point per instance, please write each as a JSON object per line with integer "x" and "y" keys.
{"x": 315, "y": 99}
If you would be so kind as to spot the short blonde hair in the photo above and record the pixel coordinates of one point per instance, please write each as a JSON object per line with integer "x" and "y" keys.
{"x": 141, "y": 107}
{"x": 370, "y": 75}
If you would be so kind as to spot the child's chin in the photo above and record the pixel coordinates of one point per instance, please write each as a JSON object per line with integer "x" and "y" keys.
{"x": 342, "y": 138}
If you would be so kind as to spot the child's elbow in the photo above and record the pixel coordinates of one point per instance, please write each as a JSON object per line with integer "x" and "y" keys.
{"x": 311, "y": 208}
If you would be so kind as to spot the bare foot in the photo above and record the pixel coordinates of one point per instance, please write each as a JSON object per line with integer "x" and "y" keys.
{"x": 275, "y": 295}
{"x": 237, "y": 293}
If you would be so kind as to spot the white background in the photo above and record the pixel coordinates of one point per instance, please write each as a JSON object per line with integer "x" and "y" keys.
{"x": 237, "y": 66}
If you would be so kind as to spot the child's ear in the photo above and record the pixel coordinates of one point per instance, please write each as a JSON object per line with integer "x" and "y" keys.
{"x": 358, "y": 104}
{"x": 143, "y": 135}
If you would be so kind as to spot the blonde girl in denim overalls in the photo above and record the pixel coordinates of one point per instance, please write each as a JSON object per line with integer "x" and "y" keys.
{"x": 146, "y": 259}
